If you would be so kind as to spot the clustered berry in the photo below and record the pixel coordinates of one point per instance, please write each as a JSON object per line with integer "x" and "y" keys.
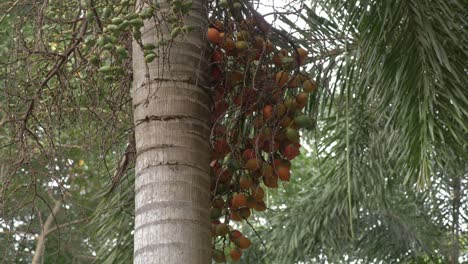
{"x": 258, "y": 111}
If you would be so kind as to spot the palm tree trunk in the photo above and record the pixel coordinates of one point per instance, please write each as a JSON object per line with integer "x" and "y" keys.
{"x": 172, "y": 115}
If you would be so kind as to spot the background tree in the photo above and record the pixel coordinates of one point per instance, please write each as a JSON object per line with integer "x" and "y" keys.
{"x": 390, "y": 171}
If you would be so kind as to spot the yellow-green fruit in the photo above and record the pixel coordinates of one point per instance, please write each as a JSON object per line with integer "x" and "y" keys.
{"x": 215, "y": 213}
{"x": 147, "y": 12}
{"x": 290, "y": 104}
{"x": 236, "y": 5}
{"x": 243, "y": 35}
{"x": 94, "y": 60}
{"x": 175, "y": 32}
{"x": 149, "y": 46}
{"x": 223, "y": 4}
{"x": 111, "y": 39}
{"x": 116, "y": 20}
{"x": 222, "y": 229}
{"x": 241, "y": 45}
{"x": 137, "y": 22}
{"x": 303, "y": 121}
{"x": 292, "y": 134}
{"x": 90, "y": 16}
{"x": 150, "y": 57}
{"x": 105, "y": 69}
{"x": 101, "y": 41}
{"x": 108, "y": 46}
{"x": 121, "y": 51}
{"x": 131, "y": 16}
{"x": 106, "y": 12}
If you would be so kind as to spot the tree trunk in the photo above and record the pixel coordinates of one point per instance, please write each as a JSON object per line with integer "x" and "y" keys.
{"x": 172, "y": 116}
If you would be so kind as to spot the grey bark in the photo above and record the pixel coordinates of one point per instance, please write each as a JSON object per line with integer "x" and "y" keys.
{"x": 172, "y": 116}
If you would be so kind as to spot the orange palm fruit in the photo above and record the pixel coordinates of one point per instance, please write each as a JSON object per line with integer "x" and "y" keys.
{"x": 239, "y": 200}
{"x": 281, "y": 78}
{"x": 267, "y": 112}
{"x": 213, "y": 36}
{"x": 235, "y": 253}
{"x": 253, "y": 164}
{"x": 283, "y": 173}
{"x": 309, "y": 86}
{"x": 243, "y": 242}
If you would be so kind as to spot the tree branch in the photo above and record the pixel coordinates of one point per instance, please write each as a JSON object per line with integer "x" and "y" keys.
{"x": 66, "y": 224}
{"x": 40, "y": 245}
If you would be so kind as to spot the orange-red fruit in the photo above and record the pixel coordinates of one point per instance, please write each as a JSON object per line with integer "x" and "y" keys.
{"x": 221, "y": 106}
{"x": 213, "y": 230}
{"x": 283, "y": 173}
{"x": 213, "y": 36}
{"x": 235, "y": 234}
{"x": 228, "y": 44}
{"x": 249, "y": 154}
{"x": 285, "y": 163}
{"x": 281, "y": 78}
{"x": 225, "y": 176}
{"x": 267, "y": 112}
{"x": 280, "y": 110}
{"x": 291, "y": 151}
{"x": 292, "y": 83}
{"x": 261, "y": 206}
{"x": 269, "y": 47}
{"x": 271, "y": 182}
{"x": 234, "y": 77}
{"x": 243, "y": 242}
{"x": 259, "y": 42}
{"x": 221, "y": 147}
{"x": 236, "y": 254}
{"x": 239, "y": 200}
{"x": 253, "y": 164}
{"x": 267, "y": 171}
{"x": 277, "y": 59}
{"x": 217, "y": 56}
{"x": 301, "y": 99}
{"x": 251, "y": 202}
{"x": 309, "y": 86}
{"x": 218, "y": 203}
{"x": 258, "y": 122}
{"x": 258, "y": 193}
{"x": 216, "y": 74}
{"x": 234, "y": 215}
{"x": 244, "y": 213}
{"x": 245, "y": 182}
{"x": 302, "y": 55}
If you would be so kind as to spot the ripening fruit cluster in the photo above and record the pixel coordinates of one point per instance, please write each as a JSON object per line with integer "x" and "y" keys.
{"x": 257, "y": 115}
